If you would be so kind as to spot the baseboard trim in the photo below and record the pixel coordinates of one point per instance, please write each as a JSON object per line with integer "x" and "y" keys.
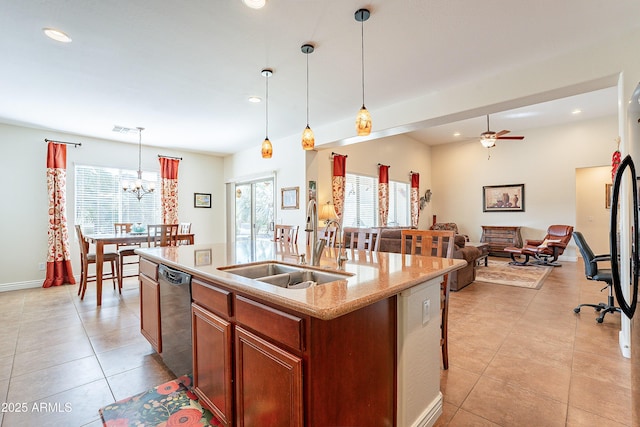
{"x": 6, "y": 287}
{"x": 431, "y": 413}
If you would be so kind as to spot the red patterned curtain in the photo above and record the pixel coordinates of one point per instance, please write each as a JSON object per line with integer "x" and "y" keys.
{"x": 59, "y": 269}
{"x": 415, "y": 199}
{"x": 383, "y": 194}
{"x": 338, "y": 183}
{"x": 169, "y": 188}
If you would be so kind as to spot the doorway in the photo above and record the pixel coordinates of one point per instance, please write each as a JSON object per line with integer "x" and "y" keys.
{"x": 254, "y": 216}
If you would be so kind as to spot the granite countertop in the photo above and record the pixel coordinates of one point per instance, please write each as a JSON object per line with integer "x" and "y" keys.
{"x": 369, "y": 276}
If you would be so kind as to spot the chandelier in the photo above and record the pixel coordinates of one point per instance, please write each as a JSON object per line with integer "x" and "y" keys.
{"x": 138, "y": 188}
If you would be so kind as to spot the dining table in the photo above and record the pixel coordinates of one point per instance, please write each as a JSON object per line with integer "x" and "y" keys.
{"x": 100, "y": 240}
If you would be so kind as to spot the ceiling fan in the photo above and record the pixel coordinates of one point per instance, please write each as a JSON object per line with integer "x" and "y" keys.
{"x": 488, "y": 138}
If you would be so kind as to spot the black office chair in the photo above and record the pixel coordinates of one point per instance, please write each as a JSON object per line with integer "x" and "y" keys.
{"x": 592, "y": 272}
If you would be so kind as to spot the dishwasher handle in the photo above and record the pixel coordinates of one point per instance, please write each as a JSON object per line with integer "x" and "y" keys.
{"x": 174, "y": 277}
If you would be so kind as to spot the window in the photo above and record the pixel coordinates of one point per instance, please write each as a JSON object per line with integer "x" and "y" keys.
{"x": 361, "y": 202}
{"x": 100, "y": 201}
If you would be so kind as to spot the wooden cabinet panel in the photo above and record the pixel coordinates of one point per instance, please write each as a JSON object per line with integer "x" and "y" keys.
{"x": 500, "y": 237}
{"x": 268, "y": 383}
{"x": 278, "y": 325}
{"x": 150, "y": 311}
{"x": 212, "y": 363}
{"x": 211, "y": 297}
{"x": 149, "y": 269}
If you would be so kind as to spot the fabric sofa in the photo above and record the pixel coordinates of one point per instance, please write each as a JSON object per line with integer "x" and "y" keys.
{"x": 391, "y": 240}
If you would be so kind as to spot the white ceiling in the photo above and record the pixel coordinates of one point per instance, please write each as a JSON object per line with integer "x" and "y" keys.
{"x": 184, "y": 69}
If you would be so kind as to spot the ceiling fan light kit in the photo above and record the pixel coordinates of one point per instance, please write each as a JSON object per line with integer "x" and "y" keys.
{"x": 488, "y": 139}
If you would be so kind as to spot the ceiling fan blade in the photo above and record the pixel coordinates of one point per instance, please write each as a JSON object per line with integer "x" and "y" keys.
{"x": 502, "y": 132}
{"x": 511, "y": 137}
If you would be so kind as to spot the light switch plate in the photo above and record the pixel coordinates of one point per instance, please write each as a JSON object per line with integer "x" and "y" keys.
{"x": 426, "y": 316}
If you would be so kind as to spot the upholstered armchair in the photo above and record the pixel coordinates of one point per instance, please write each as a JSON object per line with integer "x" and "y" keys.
{"x": 545, "y": 251}
{"x": 448, "y": 226}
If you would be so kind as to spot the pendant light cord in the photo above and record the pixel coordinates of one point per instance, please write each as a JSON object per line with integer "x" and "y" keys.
{"x": 140, "y": 153}
{"x": 362, "y": 51}
{"x": 307, "y": 90}
{"x": 266, "y": 128}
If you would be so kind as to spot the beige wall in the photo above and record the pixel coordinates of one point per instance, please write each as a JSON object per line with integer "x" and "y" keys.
{"x": 545, "y": 162}
{"x": 400, "y": 152}
{"x": 24, "y": 201}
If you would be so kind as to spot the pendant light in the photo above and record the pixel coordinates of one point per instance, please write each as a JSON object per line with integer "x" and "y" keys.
{"x": 138, "y": 188}
{"x": 308, "y": 139}
{"x": 363, "y": 119}
{"x": 267, "y": 148}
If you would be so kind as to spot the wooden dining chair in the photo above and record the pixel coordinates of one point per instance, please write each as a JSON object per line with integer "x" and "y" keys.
{"x": 184, "y": 228}
{"x": 162, "y": 235}
{"x": 362, "y": 238}
{"x": 87, "y": 258}
{"x": 438, "y": 243}
{"x": 286, "y": 233}
{"x": 329, "y": 235}
{"x": 126, "y": 249}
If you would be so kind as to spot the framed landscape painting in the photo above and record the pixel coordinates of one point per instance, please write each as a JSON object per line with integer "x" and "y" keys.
{"x": 503, "y": 198}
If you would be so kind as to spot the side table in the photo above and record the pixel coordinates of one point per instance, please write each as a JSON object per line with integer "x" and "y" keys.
{"x": 484, "y": 252}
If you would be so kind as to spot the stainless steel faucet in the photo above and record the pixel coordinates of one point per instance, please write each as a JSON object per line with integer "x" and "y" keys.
{"x": 342, "y": 255}
{"x": 317, "y": 246}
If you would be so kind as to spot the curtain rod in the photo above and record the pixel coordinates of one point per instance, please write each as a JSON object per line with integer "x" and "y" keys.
{"x": 75, "y": 144}
{"x": 380, "y": 164}
{"x": 169, "y": 157}
{"x": 337, "y": 154}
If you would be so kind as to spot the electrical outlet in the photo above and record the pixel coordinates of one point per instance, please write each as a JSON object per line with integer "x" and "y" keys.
{"x": 41, "y": 266}
{"x": 426, "y": 316}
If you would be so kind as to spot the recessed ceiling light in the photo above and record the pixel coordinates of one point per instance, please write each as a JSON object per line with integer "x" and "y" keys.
{"x": 254, "y": 4}
{"x": 254, "y": 99}
{"x": 576, "y": 111}
{"x": 456, "y": 134}
{"x": 57, "y": 35}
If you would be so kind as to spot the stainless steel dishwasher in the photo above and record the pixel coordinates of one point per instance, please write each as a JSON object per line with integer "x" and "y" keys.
{"x": 175, "y": 319}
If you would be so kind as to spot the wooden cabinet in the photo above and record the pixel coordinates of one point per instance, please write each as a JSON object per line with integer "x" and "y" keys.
{"x": 499, "y": 237}
{"x": 268, "y": 383}
{"x": 150, "y": 304}
{"x": 257, "y": 364}
{"x": 212, "y": 362}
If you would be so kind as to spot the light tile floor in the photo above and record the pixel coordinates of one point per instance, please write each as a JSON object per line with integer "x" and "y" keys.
{"x": 518, "y": 357}
{"x": 521, "y": 357}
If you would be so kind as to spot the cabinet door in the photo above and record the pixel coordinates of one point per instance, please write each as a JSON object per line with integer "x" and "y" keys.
{"x": 150, "y": 312}
{"x": 212, "y": 368}
{"x": 268, "y": 383}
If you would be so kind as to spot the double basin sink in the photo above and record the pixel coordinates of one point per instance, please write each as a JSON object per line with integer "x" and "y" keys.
{"x": 285, "y": 275}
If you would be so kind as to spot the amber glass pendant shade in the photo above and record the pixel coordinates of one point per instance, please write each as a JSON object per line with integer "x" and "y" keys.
{"x": 308, "y": 140}
{"x": 363, "y": 122}
{"x": 267, "y": 149}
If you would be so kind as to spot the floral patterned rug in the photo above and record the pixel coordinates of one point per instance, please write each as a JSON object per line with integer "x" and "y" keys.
{"x": 170, "y": 404}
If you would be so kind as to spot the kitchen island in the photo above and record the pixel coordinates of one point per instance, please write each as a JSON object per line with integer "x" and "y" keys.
{"x": 361, "y": 350}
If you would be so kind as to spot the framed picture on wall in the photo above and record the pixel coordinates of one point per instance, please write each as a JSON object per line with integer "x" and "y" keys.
{"x": 290, "y": 196}
{"x": 201, "y": 200}
{"x": 503, "y": 198}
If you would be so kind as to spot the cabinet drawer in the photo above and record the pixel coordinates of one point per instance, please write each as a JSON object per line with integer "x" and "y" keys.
{"x": 278, "y": 325}
{"x": 211, "y": 297}
{"x": 149, "y": 269}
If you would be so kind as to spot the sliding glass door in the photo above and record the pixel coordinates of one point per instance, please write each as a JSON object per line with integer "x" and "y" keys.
{"x": 254, "y": 219}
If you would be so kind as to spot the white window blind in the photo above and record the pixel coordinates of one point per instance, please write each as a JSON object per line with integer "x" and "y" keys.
{"x": 100, "y": 201}
{"x": 361, "y": 202}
